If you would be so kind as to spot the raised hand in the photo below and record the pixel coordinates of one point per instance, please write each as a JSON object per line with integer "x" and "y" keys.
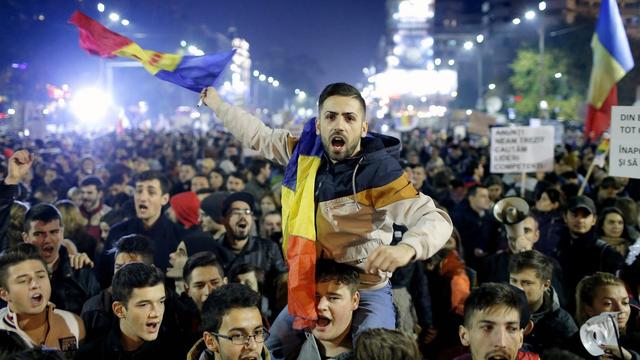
{"x": 18, "y": 167}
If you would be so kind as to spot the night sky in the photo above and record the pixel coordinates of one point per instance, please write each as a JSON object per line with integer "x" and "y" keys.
{"x": 303, "y": 43}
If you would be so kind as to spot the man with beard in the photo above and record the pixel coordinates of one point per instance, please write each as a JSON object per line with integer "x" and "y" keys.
{"x": 237, "y": 246}
{"x": 492, "y": 327}
{"x": 151, "y": 194}
{"x": 93, "y": 207}
{"x": 343, "y": 190}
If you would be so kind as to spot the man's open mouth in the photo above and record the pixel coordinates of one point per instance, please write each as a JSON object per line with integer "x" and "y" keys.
{"x": 338, "y": 142}
{"x": 37, "y": 299}
{"x": 152, "y": 327}
{"x": 323, "y": 321}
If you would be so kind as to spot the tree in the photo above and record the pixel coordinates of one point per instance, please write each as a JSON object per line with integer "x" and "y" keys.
{"x": 563, "y": 94}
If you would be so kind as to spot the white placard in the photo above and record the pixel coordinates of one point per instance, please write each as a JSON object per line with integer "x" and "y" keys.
{"x": 521, "y": 149}
{"x": 624, "y": 151}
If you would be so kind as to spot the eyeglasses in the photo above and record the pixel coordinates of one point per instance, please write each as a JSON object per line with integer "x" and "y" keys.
{"x": 240, "y": 212}
{"x": 258, "y": 337}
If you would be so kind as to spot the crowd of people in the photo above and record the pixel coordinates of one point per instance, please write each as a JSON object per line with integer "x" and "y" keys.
{"x": 140, "y": 244}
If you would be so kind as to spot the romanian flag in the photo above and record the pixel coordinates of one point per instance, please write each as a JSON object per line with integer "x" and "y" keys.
{"x": 611, "y": 61}
{"x": 299, "y": 230}
{"x": 601, "y": 152}
{"x": 192, "y": 72}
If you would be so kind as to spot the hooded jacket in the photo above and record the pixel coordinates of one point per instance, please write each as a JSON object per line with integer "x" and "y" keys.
{"x": 552, "y": 325}
{"x": 357, "y": 200}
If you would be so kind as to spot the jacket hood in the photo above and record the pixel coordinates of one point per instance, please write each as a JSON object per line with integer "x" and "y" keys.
{"x": 551, "y": 303}
{"x": 376, "y": 145}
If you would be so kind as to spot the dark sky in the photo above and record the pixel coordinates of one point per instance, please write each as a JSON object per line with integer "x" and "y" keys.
{"x": 305, "y": 43}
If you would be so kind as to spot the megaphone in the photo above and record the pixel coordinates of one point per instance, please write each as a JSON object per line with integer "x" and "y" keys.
{"x": 600, "y": 330}
{"x": 511, "y": 210}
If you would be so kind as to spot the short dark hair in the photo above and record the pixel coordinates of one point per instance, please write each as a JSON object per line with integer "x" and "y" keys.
{"x": 136, "y": 244}
{"x": 474, "y": 189}
{"x": 200, "y": 259}
{"x": 15, "y": 255}
{"x": 239, "y": 175}
{"x": 150, "y": 175}
{"x": 244, "y": 268}
{"x": 224, "y": 299}
{"x": 257, "y": 165}
{"x": 117, "y": 178}
{"x": 386, "y": 344}
{"x": 41, "y": 212}
{"x": 328, "y": 270}
{"x": 534, "y": 260}
{"x": 92, "y": 180}
{"x": 609, "y": 182}
{"x": 553, "y": 194}
{"x": 489, "y": 295}
{"x": 134, "y": 276}
{"x": 341, "y": 89}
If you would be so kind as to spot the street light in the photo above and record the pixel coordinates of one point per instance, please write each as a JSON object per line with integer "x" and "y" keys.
{"x": 451, "y": 62}
{"x": 479, "y": 38}
{"x": 516, "y": 21}
{"x": 100, "y": 7}
{"x": 542, "y": 6}
{"x": 124, "y": 22}
{"x": 468, "y": 45}
{"x": 492, "y": 86}
{"x": 437, "y": 61}
{"x": 262, "y": 77}
{"x": 114, "y": 17}
{"x": 557, "y": 75}
{"x": 530, "y": 15}
{"x": 256, "y": 73}
{"x": 183, "y": 43}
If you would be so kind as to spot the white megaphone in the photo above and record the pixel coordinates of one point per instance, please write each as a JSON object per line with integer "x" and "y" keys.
{"x": 600, "y": 330}
{"x": 511, "y": 211}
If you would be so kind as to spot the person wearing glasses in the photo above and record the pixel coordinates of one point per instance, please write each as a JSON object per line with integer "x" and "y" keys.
{"x": 237, "y": 246}
{"x": 232, "y": 326}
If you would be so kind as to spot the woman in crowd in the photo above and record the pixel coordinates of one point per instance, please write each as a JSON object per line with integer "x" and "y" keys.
{"x": 74, "y": 230}
{"x": 600, "y": 293}
{"x": 612, "y": 230}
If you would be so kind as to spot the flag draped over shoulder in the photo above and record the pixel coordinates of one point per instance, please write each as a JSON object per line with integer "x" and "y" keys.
{"x": 611, "y": 61}
{"x": 299, "y": 230}
{"x": 192, "y": 72}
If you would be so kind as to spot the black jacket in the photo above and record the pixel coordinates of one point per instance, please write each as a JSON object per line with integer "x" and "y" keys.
{"x": 553, "y": 326}
{"x": 97, "y": 314}
{"x": 109, "y": 347}
{"x": 258, "y": 252}
{"x": 8, "y": 194}
{"x": 164, "y": 234}
{"x": 71, "y": 288}
{"x": 582, "y": 256}
{"x": 476, "y": 232}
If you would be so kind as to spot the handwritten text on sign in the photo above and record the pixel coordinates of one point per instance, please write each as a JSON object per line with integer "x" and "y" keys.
{"x": 521, "y": 149}
{"x": 624, "y": 157}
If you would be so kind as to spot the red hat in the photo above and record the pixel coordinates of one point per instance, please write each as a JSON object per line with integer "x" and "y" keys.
{"x": 186, "y": 205}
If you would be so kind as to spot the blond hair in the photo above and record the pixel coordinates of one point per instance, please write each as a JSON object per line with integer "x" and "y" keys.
{"x": 72, "y": 219}
{"x": 588, "y": 288}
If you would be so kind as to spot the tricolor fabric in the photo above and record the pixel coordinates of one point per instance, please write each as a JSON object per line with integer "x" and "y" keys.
{"x": 299, "y": 225}
{"x": 192, "y": 72}
{"x": 601, "y": 152}
{"x": 611, "y": 61}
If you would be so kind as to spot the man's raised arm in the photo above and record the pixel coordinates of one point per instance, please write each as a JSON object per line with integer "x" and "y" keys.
{"x": 273, "y": 144}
